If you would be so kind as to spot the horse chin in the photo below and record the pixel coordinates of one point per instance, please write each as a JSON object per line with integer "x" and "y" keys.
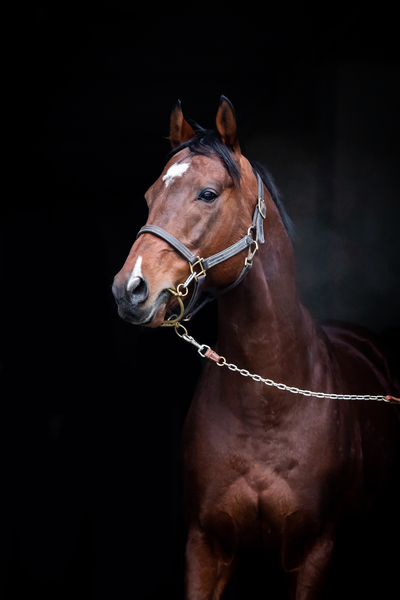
{"x": 157, "y": 317}
{"x": 164, "y": 303}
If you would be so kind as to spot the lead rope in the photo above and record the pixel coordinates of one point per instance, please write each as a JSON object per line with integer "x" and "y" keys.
{"x": 206, "y": 352}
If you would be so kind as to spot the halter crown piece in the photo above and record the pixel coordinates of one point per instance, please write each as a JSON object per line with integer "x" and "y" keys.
{"x": 199, "y": 266}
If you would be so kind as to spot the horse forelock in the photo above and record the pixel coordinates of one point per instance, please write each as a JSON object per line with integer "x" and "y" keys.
{"x": 208, "y": 143}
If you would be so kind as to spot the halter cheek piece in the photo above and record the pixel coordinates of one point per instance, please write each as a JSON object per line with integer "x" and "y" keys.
{"x": 199, "y": 266}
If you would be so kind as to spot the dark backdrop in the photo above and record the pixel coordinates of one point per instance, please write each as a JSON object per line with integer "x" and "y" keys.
{"x": 92, "y": 407}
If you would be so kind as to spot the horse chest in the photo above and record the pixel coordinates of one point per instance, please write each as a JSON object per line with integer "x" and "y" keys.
{"x": 240, "y": 487}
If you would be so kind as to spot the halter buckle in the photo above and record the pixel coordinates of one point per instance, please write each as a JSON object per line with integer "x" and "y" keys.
{"x": 262, "y": 209}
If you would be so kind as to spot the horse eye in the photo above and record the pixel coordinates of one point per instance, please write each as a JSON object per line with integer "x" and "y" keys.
{"x": 207, "y": 196}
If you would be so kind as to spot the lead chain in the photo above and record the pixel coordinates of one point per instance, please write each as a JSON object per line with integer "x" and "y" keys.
{"x": 206, "y": 352}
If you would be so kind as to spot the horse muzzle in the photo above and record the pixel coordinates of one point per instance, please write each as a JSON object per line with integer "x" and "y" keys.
{"x": 134, "y": 304}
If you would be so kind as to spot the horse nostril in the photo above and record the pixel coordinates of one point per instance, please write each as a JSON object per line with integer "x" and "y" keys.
{"x": 133, "y": 283}
{"x": 138, "y": 289}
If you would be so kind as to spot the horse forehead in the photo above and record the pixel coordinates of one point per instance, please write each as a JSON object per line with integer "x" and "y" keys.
{"x": 193, "y": 166}
{"x": 174, "y": 171}
{"x": 186, "y": 170}
{"x": 209, "y": 165}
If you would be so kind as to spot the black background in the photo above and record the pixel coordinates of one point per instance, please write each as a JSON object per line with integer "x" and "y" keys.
{"x": 92, "y": 407}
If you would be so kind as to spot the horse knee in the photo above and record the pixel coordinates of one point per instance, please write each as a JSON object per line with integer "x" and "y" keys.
{"x": 313, "y": 573}
{"x": 207, "y": 571}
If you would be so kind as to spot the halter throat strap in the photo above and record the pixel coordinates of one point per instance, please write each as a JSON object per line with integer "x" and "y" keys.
{"x": 200, "y": 296}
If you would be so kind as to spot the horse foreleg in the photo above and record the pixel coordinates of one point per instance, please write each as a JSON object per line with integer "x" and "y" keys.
{"x": 209, "y": 566}
{"x": 312, "y": 575}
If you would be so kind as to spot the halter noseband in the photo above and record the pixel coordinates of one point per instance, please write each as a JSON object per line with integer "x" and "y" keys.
{"x": 201, "y": 297}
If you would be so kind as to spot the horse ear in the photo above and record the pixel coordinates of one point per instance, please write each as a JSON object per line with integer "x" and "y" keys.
{"x": 226, "y": 125}
{"x": 180, "y": 130}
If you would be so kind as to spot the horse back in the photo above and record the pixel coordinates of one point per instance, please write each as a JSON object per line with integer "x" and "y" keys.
{"x": 364, "y": 360}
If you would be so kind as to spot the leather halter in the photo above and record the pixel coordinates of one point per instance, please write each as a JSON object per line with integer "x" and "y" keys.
{"x": 199, "y": 296}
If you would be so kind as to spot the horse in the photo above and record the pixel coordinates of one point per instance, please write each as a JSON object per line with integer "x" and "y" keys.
{"x": 262, "y": 468}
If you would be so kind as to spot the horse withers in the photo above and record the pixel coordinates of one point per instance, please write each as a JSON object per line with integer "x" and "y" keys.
{"x": 264, "y": 469}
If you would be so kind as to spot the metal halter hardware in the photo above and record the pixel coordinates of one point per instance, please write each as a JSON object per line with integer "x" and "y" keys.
{"x": 199, "y": 266}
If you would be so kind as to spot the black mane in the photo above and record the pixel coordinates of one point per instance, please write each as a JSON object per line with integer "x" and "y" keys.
{"x": 207, "y": 142}
{"x": 269, "y": 183}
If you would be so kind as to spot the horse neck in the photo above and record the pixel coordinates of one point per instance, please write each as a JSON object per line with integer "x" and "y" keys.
{"x": 262, "y": 325}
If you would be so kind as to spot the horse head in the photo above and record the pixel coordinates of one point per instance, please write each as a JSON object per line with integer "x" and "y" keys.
{"x": 205, "y": 198}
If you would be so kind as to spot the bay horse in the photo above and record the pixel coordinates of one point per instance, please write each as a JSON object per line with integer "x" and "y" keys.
{"x": 262, "y": 468}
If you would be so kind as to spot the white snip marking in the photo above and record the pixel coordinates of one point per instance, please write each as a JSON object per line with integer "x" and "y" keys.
{"x": 176, "y": 170}
{"x": 135, "y": 276}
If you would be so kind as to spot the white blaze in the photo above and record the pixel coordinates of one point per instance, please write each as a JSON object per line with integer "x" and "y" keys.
{"x": 176, "y": 170}
{"x": 135, "y": 276}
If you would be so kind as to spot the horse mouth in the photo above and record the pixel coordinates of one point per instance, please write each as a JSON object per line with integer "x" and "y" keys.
{"x": 169, "y": 309}
{"x": 164, "y": 306}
